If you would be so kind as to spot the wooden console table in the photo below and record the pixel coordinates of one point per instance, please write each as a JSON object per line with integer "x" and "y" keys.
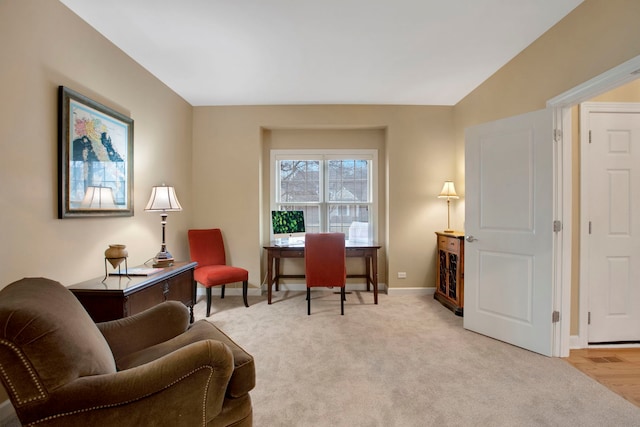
{"x": 368, "y": 251}
{"x": 120, "y": 296}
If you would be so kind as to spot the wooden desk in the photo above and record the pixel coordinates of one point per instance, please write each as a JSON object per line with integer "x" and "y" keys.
{"x": 368, "y": 251}
{"x": 119, "y": 296}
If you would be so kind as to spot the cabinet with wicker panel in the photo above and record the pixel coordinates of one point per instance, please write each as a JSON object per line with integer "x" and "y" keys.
{"x": 450, "y": 271}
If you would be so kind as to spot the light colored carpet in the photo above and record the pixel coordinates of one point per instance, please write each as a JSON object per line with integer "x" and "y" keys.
{"x": 405, "y": 362}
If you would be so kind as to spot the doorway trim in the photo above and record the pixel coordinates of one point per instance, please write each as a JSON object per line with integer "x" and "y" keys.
{"x": 561, "y": 104}
{"x": 585, "y": 109}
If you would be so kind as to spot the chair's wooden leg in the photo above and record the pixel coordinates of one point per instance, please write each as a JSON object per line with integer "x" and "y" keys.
{"x": 222, "y": 292}
{"x": 208, "y": 301}
{"x": 245, "y": 287}
{"x": 308, "y": 301}
{"x": 342, "y": 300}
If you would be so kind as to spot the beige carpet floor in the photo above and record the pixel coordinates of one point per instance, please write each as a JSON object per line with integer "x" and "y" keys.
{"x": 405, "y": 362}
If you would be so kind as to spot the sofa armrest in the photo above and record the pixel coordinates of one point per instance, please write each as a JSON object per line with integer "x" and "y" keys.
{"x": 155, "y": 325}
{"x": 186, "y": 387}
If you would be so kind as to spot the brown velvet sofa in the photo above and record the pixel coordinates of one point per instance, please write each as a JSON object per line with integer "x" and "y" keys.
{"x": 152, "y": 369}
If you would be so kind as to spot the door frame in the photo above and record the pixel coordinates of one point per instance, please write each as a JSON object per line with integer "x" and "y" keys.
{"x": 584, "y": 288}
{"x": 561, "y": 104}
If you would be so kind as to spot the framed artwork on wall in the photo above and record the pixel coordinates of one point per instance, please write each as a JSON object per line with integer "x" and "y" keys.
{"x": 95, "y": 158}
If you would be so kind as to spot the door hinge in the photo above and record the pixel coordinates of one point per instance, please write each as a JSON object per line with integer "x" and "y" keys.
{"x": 589, "y": 227}
{"x": 589, "y": 318}
{"x": 557, "y": 135}
{"x": 555, "y": 317}
{"x": 589, "y": 136}
{"x": 557, "y": 226}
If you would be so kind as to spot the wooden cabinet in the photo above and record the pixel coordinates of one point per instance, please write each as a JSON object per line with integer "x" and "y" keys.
{"x": 450, "y": 271}
{"x": 119, "y": 296}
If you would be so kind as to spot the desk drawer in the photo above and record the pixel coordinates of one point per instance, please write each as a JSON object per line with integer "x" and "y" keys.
{"x": 448, "y": 243}
{"x": 180, "y": 288}
{"x": 355, "y": 252}
{"x": 298, "y": 253}
{"x": 146, "y": 298}
{"x": 176, "y": 288}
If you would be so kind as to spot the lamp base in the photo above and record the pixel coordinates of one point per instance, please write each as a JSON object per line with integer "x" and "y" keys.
{"x": 163, "y": 259}
{"x": 162, "y": 263}
{"x": 449, "y": 231}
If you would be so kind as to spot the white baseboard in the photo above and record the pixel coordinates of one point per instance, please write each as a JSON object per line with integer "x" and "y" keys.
{"x": 297, "y": 287}
{"x": 301, "y": 287}
{"x": 200, "y": 291}
{"x": 574, "y": 342}
{"x": 410, "y": 291}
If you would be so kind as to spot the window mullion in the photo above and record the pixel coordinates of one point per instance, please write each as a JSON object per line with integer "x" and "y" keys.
{"x": 324, "y": 208}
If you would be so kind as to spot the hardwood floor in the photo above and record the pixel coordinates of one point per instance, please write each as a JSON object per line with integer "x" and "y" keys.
{"x": 617, "y": 369}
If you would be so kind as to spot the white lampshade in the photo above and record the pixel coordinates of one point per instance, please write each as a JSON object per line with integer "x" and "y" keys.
{"x": 98, "y": 198}
{"x": 163, "y": 199}
{"x": 448, "y": 191}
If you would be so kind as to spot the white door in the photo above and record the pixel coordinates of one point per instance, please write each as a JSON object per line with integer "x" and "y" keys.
{"x": 509, "y": 230}
{"x": 612, "y": 201}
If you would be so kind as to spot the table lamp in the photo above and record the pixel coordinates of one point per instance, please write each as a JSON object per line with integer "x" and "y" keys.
{"x": 448, "y": 192}
{"x": 163, "y": 199}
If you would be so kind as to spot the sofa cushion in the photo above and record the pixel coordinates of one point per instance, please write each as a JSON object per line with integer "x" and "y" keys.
{"x": 43, "y": 322}
{"x": 243, "y": 378}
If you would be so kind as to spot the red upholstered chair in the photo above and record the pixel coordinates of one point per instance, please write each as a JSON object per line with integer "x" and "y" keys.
{"x": 325, "y": 263}
{"x": 207, "y": 249}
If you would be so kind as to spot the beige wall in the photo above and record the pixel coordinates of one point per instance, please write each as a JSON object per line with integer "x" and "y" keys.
{"x": 230, "y": 166}
{"x": 45, "y": 45}
{"x": 325, "y": 139}
{"x": 597, "y": 36}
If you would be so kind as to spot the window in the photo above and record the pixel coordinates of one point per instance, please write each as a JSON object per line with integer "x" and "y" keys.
{"x": 334, "y": 188}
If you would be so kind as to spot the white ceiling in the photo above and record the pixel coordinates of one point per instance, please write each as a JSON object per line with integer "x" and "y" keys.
{"x": 256, "y": 52}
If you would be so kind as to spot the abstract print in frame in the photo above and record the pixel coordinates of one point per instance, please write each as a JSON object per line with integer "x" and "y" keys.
{"x": 95, "y": 150}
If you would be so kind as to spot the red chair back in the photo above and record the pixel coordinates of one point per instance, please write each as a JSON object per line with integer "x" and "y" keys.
{"x": 325, "y": 259}
{"x": 206, "y": 247}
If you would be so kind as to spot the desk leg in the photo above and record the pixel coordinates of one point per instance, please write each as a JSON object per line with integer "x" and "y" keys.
{"x": 277, "y": 276}
{"x": 374, "y": 268}
{"x": 194, "y": 289}
{"x": 269, "y": 275}
{"x": 367, "y": 263}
